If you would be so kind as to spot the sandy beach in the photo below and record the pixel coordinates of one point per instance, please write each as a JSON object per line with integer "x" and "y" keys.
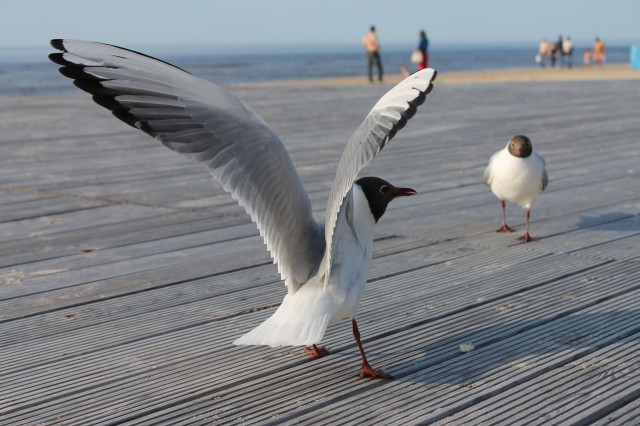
{"x": 608, "y": 72}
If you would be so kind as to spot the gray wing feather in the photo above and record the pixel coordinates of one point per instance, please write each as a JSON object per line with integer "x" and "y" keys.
{"x": 488, "y": 175}
{"x": 208, "y": 125}
{"x": 545, "y": 180}
{"x": 545, "y": 177}
{"x": 387, "y": 116}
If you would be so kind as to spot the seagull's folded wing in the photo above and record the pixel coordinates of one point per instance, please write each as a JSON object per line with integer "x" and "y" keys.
{"x": 208, "y": 125}
{"x": 388, "y": 115}
{"x": 545, "y": 176}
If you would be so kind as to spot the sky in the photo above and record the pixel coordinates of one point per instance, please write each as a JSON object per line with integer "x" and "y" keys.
{"x": 263, "y": 24}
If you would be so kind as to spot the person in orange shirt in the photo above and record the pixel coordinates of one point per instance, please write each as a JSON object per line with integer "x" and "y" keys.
{"x": 599, "y": 50}
{"x": 371, "y": 46}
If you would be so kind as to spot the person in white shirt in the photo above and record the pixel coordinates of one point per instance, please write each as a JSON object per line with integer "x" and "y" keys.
{"x": 567, "y": 51}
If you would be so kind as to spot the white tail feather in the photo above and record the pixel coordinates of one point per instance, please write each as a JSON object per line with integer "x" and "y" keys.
{"x": 301, "y": 319}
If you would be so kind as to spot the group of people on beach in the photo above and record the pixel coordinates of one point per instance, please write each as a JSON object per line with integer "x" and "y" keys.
{"x": 561, "y": 52}
{"x": 558, "y": 53}
{"x": 372, "y": 47}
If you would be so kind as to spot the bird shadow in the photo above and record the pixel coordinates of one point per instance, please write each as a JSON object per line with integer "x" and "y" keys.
{"x": 556, "y": 341}
{"x": 616, "y": 221}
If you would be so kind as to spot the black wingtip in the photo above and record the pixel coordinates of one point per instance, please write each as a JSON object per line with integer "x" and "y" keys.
{"x": 57, "y": 43}
{"x": 56, "y": 57}
{"x": 411, "y": 111}
{"x": 59, "y": 59}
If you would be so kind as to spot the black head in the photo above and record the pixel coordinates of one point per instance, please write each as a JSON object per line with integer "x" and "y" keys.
{"x": 520, "y": 146}
{"x": 379, "y": 193}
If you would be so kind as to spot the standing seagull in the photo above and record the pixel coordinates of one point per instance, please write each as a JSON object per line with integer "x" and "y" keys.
{"x": 324, "y": 266}
{"x": 516, "y": 174}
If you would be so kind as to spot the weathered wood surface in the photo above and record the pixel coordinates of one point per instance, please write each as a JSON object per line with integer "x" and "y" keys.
{"x": 126, "y": 273}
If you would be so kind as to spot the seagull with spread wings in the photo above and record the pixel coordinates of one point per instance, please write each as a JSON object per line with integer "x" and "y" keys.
{"x": 324, "y": 266}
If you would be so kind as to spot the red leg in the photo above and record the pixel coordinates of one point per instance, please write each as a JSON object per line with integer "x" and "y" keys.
{"x": 527, "y": 237}
{"x": 504, "y": 227}
{"x": 316, "y": 351}
{"x": 367, "y": 370}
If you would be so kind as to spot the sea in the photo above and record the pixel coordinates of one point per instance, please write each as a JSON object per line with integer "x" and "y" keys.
{"x": 27, "y": 71}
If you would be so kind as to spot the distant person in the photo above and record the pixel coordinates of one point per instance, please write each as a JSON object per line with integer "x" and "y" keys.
{"x": 550, "y": 47}
{"x": 587, "y": 57}
{"x": 405, "y": 71}
{"x": 543, "y": 49}
{"x": 567, "y": 52}
{"x": 599, "y": 51}
{"x": 371, "y": 46}
{"x": 559, "y": 52}
{"x": 553, "y": 54}
{"x": 423, "y": 47}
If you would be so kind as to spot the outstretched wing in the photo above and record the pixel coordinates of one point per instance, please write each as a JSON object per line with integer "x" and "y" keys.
{"x": 208, "y": 125}
{"x": 388, "y": 115}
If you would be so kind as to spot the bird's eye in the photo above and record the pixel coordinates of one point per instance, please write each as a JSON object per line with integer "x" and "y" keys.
{"x": 384, "y": 189}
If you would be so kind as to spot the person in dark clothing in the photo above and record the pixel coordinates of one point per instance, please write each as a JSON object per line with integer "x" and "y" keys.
{"x": 559, "y": 52}
{"x": 423, "y": 46}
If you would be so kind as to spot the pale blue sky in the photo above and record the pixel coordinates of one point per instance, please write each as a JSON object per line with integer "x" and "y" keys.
{"x": 137, "y": 23}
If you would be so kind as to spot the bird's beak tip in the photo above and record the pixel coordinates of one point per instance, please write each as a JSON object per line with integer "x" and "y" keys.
{"x": 405, "y": 192}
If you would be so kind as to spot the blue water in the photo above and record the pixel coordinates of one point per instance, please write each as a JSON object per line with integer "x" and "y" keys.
{"x": 30, "y": 73}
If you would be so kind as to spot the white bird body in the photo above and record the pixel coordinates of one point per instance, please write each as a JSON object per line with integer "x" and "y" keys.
{"x": 324, "y": 266}
{"x": 515, "y": 179}
{"x": 516, "y": 174}
{"x": 304, "y": 315}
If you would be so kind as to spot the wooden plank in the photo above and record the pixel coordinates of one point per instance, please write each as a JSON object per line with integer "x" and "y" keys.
{"x": 75, "y": 365}
{"x": 584, "y": 388}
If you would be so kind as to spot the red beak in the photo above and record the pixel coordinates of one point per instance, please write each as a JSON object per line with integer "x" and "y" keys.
{"x": 404, "y": 192}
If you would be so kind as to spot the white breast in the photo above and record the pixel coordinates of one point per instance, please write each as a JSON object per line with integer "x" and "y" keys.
{"x": 353, "y": 240}
{"x": 515, "y": 179}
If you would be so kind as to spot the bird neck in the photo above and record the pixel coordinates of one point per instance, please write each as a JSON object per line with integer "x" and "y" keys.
{"x": 361, "y": 219}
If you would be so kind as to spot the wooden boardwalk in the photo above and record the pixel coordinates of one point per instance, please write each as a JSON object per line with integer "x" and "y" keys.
{"x": 126, "y": 272}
